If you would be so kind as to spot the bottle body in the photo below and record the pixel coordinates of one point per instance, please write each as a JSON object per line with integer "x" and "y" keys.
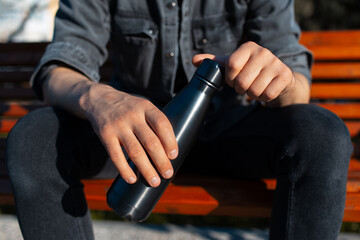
{"x": 186, "y": 113}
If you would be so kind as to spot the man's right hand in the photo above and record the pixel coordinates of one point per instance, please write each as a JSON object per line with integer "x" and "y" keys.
{"x": 119, "y": 119}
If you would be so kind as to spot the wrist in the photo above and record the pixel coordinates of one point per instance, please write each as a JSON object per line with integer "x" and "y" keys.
{"x": 297, "y": 92}
{"x": 91, "y": 93}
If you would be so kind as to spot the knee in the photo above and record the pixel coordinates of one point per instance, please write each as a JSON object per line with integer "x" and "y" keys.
{"x": 322, "y": 140}
{"x": 323, "y": 128}
{"x": 27, "y": 141}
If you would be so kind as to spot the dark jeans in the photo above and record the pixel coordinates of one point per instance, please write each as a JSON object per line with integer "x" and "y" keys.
{"x": 305, "y": 147}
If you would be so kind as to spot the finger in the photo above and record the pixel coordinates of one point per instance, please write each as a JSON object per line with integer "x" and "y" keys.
{"x": 138, "y": 155}
{"x": 155, "y": 150}
{"x": 235, "y": 63}
{"x": 163, "y": 129}
{"x": 197, "y": 59}
{"x": 246, "y": 77}
{"x": 258, "y": 86}
{"x": 116, "y": 154}
{"x": 275, "y": 88}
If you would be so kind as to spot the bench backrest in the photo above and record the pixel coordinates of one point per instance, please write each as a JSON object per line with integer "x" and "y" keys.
{"x": 336, "y": 73}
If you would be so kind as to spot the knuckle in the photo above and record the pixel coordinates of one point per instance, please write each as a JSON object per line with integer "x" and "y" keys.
{"x": 288, "y": 73}
{"x": 162, "y": 122}
{"x": 264, "y": 52}
{"x": 285, "y": 77}
{"x": 145, "y": 103}
{"x": 160, "y": 166}
{"x": 152, "y": 144}
{"x": 240, "y": 87}
{"x": 254, "y": 93}
{"x": 250, "y": 44}
{"x": 115, "y": 156}
{"x": 106, "y": 130}
{"x": 131, "y": 114}
{"x": 231, "y": 64}
{"x": 242, "y": 82}
{"x": 282, "y": 68}
{"x": 268, "y": 95}
{"x": 135, "y": 152}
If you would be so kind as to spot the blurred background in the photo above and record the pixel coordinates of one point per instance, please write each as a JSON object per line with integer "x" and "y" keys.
{"x": 328, "y": 14}
{"x": 32, "y": 20}
{"x": 27, "y": 20}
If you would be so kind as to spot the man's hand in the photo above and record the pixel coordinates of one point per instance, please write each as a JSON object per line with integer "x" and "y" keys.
{"x": 255, "y": 71}
{"x": 119, "y": 119}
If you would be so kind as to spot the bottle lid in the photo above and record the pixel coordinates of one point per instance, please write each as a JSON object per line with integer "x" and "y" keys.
{"x": 211, "y": 71}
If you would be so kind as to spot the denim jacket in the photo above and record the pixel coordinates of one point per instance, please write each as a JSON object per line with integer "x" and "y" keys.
{"x": 150, "y": 39}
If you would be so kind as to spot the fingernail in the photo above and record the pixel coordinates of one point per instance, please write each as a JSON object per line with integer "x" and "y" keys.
{"x": 168, "y": 173}
{"x": 155, "y": 181}
{"x": 173, "y": 154}
{"x": 131, "y": 180}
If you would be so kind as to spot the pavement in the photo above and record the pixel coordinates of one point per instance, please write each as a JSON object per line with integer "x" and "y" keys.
{"x": 111, "y": 230}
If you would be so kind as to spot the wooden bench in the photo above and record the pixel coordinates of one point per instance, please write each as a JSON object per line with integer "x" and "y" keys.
{"x": 336, "y": 87}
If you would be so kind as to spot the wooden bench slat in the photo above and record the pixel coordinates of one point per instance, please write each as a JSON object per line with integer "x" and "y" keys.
{"x": 354, "y": 127}
{"x": 335, "y": 90}
{"x": 342, "y": 70}
{"x": 16, "y": 93}
{"x": 344, "y": 110}
{"x": 20, "y": 59}
{"x": 22, "y": 76}
{"x": 326, "y": 38}
{"x": 12, "y": 47}
{"x": 260, "y": 208}
{"x": 340, "y": 52}
{"x": 354, "y": 164}
{"x": 21, "y": 54}
{"x": 247, "y": 200}
{"x": 18, "y": 109}
{"x": 6, "y": 125}
{"x": 353, "y": 186}
{"x": 333, "y": 45}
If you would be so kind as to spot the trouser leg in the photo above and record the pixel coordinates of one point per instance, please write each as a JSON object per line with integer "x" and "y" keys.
{"x": 312, "y": 175}
{"x": 306, "y": 148}
{"x": 48, "y": 152}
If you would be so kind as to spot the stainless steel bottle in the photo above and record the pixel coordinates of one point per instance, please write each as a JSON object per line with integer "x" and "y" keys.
{"x": 186, "y": 112}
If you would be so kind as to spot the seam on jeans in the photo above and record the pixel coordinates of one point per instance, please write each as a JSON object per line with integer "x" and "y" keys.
{"x": 290, "y": 216}
{"x": 291, "y": 203}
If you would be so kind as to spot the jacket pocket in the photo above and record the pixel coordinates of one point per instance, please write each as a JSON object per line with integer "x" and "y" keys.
{"x": 216, "y": 35}
{"x": 135, "y": 43}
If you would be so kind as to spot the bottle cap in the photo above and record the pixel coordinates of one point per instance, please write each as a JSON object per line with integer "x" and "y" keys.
{"x": 211, "y": 71}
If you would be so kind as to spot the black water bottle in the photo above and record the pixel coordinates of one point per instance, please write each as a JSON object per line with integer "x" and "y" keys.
{"x": 186, "y": 113}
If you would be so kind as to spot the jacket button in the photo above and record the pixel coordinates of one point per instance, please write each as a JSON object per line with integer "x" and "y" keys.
{"x": 203, "y": 41}
{"x": 171, "y": 5}
{"x": 169, "y": 55}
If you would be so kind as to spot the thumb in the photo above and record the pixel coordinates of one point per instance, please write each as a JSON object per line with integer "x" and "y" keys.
{"x": 197, "y": 59}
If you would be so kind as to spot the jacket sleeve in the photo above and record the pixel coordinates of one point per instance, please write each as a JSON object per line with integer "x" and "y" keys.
{"x": 82, "y": 30}
{"x": 271, "y": 24}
